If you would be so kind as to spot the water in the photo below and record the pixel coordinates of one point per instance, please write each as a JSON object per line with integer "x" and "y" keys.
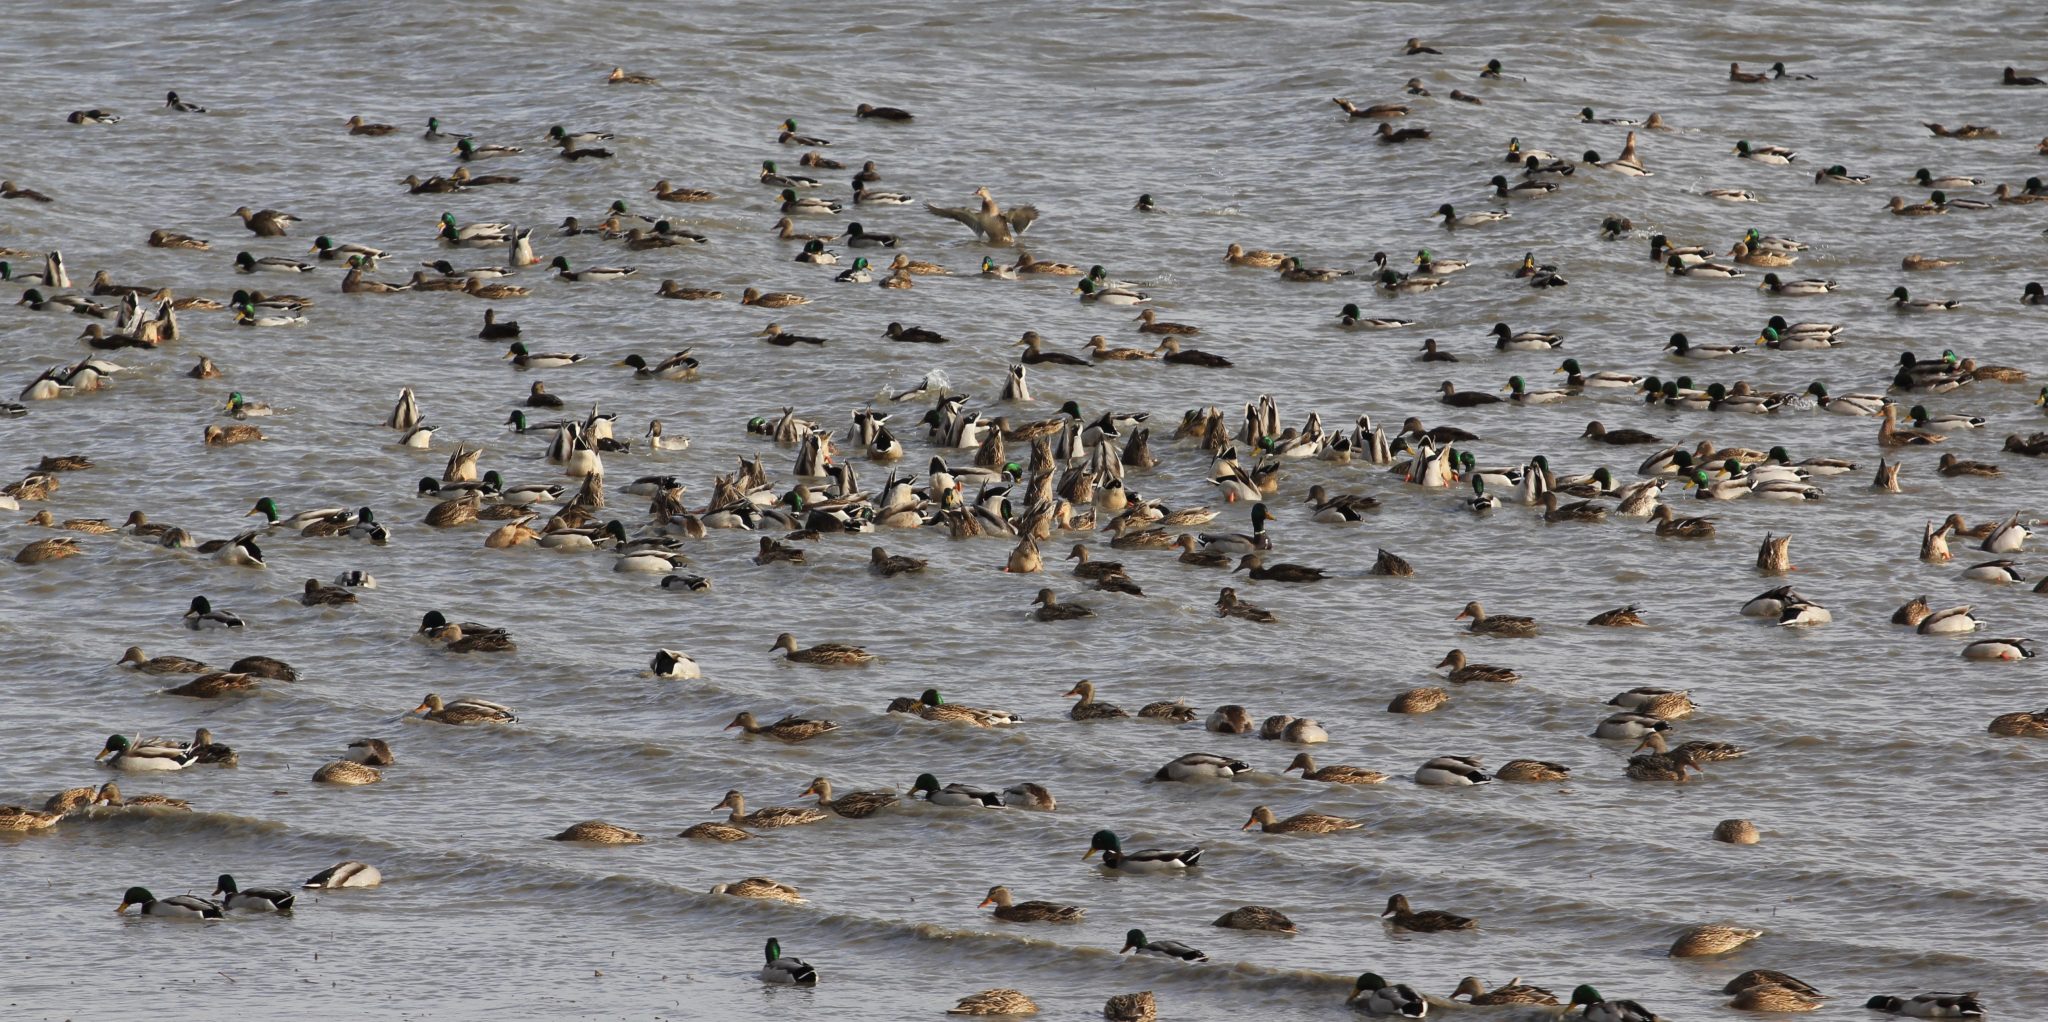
{"x": 1888, "y": 862}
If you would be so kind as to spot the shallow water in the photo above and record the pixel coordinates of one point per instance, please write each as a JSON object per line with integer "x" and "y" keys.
{"x": 1897, "y": 836}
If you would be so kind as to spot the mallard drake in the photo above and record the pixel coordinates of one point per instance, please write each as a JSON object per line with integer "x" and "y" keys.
{"x": 1091, "y": 294}
{"x": 563, "y": 272}
{"x": 1011, "y": 911}
{"x": 1930, "y": 1005}
{"x": 999, "y": 1001}
{"x": 1350, "y": 318}
{"x": 349, "y": 873}
{"x": 791, "y": 971}
{"x": 854, "y": 805}
{"x": 463, "y": 711}
{"x": 1770, "y": 155}
{"x": 122, "y": 754}
{"x": 1135, "y": 940}
{"x": 1903, "y": 301}
{"x": 1150, "y": 860}
{"x": 201, "y": 616}
{"x": 182, "y": 906}
{"x": 1376, "y": 996}
{"x": 1452, "y": 771}
{"x": 760, "y": 888}
{"x": 1599, "y": 1009}
{"x": 252, "y": 899}
{"x": 790, "y": 728}
{"x": 954, "y": 795}
{"x": 1201, "y": 766}
{"x": 1453, "y": 219}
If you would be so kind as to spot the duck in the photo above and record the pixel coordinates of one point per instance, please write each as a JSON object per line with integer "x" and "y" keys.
{"x": 828, "y": 654}
{"x": 1135, "y": 940}
{"x": 999, "y": 1001}
{"x": 1201, "y": 766}
{"x": 122, "y": 754}
{"x": 1087, "y": 708}
{"x": 345, "y": 874}
{"x": 1463, "y": 672}
{"x": 181, "y": 906}
{"x": 790, "y": 728}
{"x": 954, "y": 795}
{"x": 1711, "y": 939}
{"x": 1452, "y": 771}
{"x": 1599, "y": 1009}
{"x": 1150, "y": 860}
{"x": 767, "y": 817}
{"x": 1929, "y": 1005}
{"x": 1051, "y": 609}
{"x": 1375, "y": 996}
{"x": 1011, "y": 911}
{"x": 200, "y": 616}
{"x": 562, "y": 271}
{"x": 1256, "y": 568}
{"x": 1431, "y": 921}
{"x": 463, "y": 711}
{"x": 854, "y": 805}
{"x": 761, "y": 888}
{"x": 252, "y": 899}
{"x": 1496, "y": 624}
{"x": 1769, "y": 155}
{"x": 1300, "y": 823}
{"x": 781, "y": 970}
{"x": 1514, "y": 991}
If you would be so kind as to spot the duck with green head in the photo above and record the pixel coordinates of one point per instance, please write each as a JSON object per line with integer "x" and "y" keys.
{"x": 182, "y": 906}
{"x": 1149, "y": 860}
{"x": 1599, "y": 1009}
{"x": 1375, "y": 996}
{"x": 792, "y": 971}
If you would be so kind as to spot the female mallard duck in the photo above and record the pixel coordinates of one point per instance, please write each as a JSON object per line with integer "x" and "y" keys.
{"x": 1300, "y": 823}
{"x": 1771, "y": 997}
{"x": 1088, "y": 708}
{"x": 1256, "y": 917}
{"x": 1711, "y": 939}
{"x": 772, "y": 299}
{"x": 182, "y": 906}
{"x": 1463, "y": 672}
{"x": 1150, "y": 860}
{"x": 1599, "y": 1009}
{"x": 999, "y": 1001}
{"x": 121, "y": 754}
{"x": 1737, "y": 832}
{"x": 1419, "y": 700}
{"x": 19, "y": 818}
{"x": 1532, "y": 771}
{"x": 766, "y": 817}
{"x": 1201, "y": 766}
{"x": 854, "y": 805}
{"x": 1051, "y": 609}
{"x": 1336, "y": 774}
{"x": 1514, "y": 991}
{"x": 349, "y": 873}
{"x": 463, "y": 711}
{"x": 1662, "y": 703}
{"x": 954, "y": 795}
{"x": 598, "y": 832}
{"x": 1659, "y": 764}
{"x": 228, "y": 436}
{"x": 1498, "y": 625}
{"x": 1431, "y": 921}
{"x": 1257, "y": 258}
{"x": 2021, "y": 724}
{"x": 109, "y": 794}
{"x": 1376, "y": 996}
{"x": 1134, "y": 940}
{"x": 252, "y": 899}
{"x": 214, "y": 685}
{"x": 1620, "y": 617}
{"x": 790, "y": 728}
{"x": 792, "y": 971}
{"x": 714, "y": 831}
{"x": 1228, "y": 605}
{"x": 759, "y": 887}
{"x": 1256, "y": 568}
{"x": 1452, "y": 771}
{"x": 44, "y": 550}
{"x": 825, "y": 654}
{"x": 1176, "y": 711}
{"x": 1030, "y": 911}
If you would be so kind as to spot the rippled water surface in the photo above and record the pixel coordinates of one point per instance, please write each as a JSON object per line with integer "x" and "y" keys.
{"x": 1901, "y": 842}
